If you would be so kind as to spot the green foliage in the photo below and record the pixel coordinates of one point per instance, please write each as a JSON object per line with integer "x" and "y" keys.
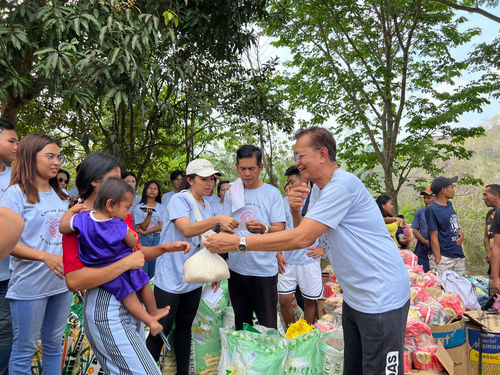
{"x": 108, "y": 75}
{"x": 382, "y": 70}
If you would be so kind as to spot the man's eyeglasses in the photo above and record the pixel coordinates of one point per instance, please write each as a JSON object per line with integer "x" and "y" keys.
{"x": 53, "y": 157}
{"x": 63, "y": 180}
{"x": 298, "y": 157}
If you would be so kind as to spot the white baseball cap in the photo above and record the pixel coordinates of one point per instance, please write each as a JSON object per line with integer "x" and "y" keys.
{"x": 201, "y": 167}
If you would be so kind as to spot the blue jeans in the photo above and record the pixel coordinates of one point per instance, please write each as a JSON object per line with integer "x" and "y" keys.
{"x": 45, "y": 317}
{"x": 5, "y": 329}
{"x": 152, "y": 239}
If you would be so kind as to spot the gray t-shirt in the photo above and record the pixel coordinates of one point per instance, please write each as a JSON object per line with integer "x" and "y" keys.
{"x": 364, "y": 256}
{"x": 31, "y": 279}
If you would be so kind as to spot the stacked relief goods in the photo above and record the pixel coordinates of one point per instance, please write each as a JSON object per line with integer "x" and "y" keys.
{"x": 430, "y": 306}
{"x": 303, "y": 350}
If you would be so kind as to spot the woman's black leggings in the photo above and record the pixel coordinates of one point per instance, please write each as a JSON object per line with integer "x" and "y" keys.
{"x": 183, "y": 308}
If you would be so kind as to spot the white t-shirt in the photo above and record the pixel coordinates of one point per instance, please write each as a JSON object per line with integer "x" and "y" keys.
{"x": 4, "y": 183}
{"x": 296, "y": 256}
{"x": 31, "y": 279}
{"x": 168, "y": 272}
{"x": 263, "y": 204}
{"x": 364, "y": 256}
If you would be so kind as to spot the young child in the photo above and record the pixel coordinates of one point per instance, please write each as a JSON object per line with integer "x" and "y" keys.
{"x": 104, "y": 238}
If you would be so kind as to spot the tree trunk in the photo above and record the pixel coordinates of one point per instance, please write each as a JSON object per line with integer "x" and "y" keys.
{"x": 390, "y": 190}
{"x": 10, "y": 108}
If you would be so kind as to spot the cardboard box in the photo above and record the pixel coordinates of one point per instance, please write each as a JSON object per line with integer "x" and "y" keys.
{"x": 483, "y": 343}
{"x": 452, "y": 336}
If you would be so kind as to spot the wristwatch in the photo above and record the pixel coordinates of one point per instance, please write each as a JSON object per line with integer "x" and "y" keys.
{"x": 267, "y": 229}
{"x": 242, "y": 246}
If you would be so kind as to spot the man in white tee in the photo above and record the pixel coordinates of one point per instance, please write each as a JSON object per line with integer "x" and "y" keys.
{"x": 259, "y": 209}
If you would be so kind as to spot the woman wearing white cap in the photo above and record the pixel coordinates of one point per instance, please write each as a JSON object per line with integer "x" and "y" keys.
{"x": 170, "y": 288}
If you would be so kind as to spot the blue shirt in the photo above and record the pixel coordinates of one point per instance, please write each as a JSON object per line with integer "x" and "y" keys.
{"x": 168, "y": 272}
{"x": 364, "y": 256}
{"x": 4, "y": 263}
{"x": 420, "y": 223}
{"x": 264, "y": 204}
{"x": 296, "y": 256}
{"x": 156, "y": 218}
{"x": 444, "y": 219}
{"x": 166, "y": 197}
{"x": 30, "y": 279}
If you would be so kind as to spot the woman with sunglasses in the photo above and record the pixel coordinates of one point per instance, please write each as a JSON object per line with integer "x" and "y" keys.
{"x": 63, "y": 179}
{"x": 39, "y": 298}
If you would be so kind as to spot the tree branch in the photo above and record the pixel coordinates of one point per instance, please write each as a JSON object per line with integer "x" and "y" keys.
{"x": 470, "y": 10}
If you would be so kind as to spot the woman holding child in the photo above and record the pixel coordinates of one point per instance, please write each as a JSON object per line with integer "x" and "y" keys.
{"x": 114, "y": 334}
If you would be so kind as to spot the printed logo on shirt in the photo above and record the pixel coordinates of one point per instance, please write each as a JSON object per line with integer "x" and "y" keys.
{"x": 52, "y": 219}
{"x": 392, "y": 363}
{"x": 248, "y": 213}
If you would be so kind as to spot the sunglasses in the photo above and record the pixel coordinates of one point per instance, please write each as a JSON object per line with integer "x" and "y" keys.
{"x": 62, "y": 180}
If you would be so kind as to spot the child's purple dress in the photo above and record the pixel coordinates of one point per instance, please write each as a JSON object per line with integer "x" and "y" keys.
{"x": 101, "y": 243}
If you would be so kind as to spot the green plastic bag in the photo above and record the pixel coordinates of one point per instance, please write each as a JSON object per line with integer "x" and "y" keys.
{"x": 206, "y": 346}
{"x": 304, "y": 356}
{"x": 332, "y": 349}
{"x": 251, "y": 353}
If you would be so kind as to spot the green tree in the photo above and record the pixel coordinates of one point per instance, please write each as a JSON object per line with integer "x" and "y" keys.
{"x": 378, "y": 69}
{"x": 111, "y": 75}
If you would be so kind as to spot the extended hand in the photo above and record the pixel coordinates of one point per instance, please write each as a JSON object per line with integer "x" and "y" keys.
{"x": 228, "y": 223}
{"x": 171, "y": 247}
{"x": 222, "y": 243}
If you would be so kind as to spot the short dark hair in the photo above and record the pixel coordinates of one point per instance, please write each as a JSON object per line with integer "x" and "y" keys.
{"x": 176, "y": 174}
{"x": 401, "y": 216}
{"x": 320, "y": 137}
{"x": 219, "y": 185}
{"x": 249, "y": 151}
{"x": 292, "y": 171}
{"x": 128, "y": 173}
{"x": 144, "y": 198}
{"x": 65, "y": 172}
{"x": 93, "y": 168}
{"x": 113, "y": 188}
{"x": 6, "y": 125}
{"x": 381, "y": 200}
{"x": 494, "y": 188}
